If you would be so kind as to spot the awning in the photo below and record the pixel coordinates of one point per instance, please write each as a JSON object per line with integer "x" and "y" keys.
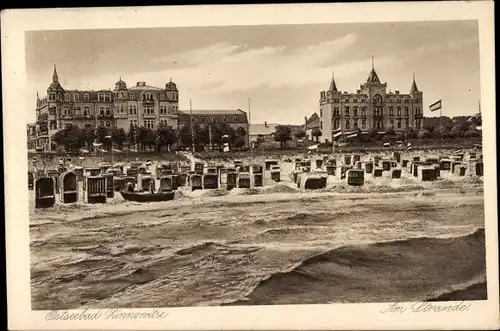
{"x": 387, "y": 144}
{"x": 337, "y": 134}
{"x": 313, "y": 147}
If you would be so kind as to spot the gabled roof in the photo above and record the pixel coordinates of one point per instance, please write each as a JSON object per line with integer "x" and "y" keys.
{"x": 312, "y": 122}
{"x": 263, "y": 129}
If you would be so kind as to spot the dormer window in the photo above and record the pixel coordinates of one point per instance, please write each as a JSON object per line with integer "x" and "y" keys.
{"x": 86, "y": 97}
{"x": 67, "y": 97}
{"x": 162, "y": 96}
{"x": 235, "y": 118}
{"x": 203, "y": 119}
{"x": 76, "y": 97}
{"x": 132, "y": 96}
{"x": 224, "y": 119}
{"x": 214, "y": 119}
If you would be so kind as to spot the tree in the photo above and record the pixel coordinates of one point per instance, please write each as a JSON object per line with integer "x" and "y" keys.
{"x": 423, "y": 134}
{"x": 166, "y": 136}
{"x": 411, "y": 133}
{"x": 118, "y": 137}
{"x": 282, "y": 134}
{"x": 141, "y": 137}
{"x": 71, "y": 138}
{"x": 300, "y": 134}
{"x": 316, "y": 133}
{"x": 239, "y": 142}
{"x": 89, "y": 136}
{"x": 390, "y": 132}
{"x": 151, "y": 138}
{"x": 132, "y": 135}
{"x": 373, "y": 134}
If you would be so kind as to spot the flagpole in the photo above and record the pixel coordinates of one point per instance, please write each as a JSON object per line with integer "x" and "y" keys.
{"x": 191, "y": 123}
{"x": 248, "y": 127}
{"x": 441, "y": 123}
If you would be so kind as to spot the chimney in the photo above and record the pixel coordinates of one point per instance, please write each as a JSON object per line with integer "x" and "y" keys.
{"x": 397, "y": 91}
{"x": 265, "y": 124}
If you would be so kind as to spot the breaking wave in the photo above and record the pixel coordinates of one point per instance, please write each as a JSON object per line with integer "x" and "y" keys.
{"x": 424, "y": 268}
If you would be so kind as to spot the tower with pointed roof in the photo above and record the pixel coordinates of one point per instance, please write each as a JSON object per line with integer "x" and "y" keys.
{"x": 371, "y": 107}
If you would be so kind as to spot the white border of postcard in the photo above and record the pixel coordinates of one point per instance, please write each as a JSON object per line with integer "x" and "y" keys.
{"x": 480, "y": 315}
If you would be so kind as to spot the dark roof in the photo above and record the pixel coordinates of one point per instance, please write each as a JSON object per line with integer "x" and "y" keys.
{"x": 265, "y": 129}
{"x": 333, "y": 86}
{"x": 313, "y": 121}
{"x": 373, "y": 77}
{"x": 414, "y": 87}
{"x": 212, "y": 112}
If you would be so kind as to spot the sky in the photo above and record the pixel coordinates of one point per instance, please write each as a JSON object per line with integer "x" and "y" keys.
{"x": 280, "y": 68}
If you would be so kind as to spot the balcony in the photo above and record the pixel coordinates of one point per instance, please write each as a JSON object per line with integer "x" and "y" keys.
{"x": 148, "y": 102}
{"x": 149, "y": 115}
{"x": 105, "y": 116}
{"x": 83, "y": 117}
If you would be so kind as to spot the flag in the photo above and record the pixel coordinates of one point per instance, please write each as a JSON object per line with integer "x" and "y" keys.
{"x": 435, "y": 106}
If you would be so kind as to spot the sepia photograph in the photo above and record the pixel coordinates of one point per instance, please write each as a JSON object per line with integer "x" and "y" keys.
{"x": 256, "y": 165}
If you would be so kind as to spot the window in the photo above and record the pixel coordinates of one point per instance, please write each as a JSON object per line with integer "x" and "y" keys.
{"x": 102, "y": 123}
{"x": 67, "y": 97}
{"x": 108, "y": 111}
{"x": 391, "y": 123}
{"x": 76, "y": 97}
{"x": 224, "y": 119}
{"x": 355, "y": 111}
{"x": 162, "y": 96}
{"x": 355, "y": 100}
{"x": 377, "y": 112}
{"x": 336, "y": 124}
{"x": 321, "y": 125}
{"x": 86, "y": 97}
{"x": 398, "y": 112}
{"x": 391, "y": 111}
{"x": 52, "y": 97}
{"x": 148, "y": 111}
{"x": 407, "y": 123}
{"x": 355, "y": 124}
{"x": 235, "y": 118}
{"x": 133, "y": 122}
{"x": 149, "y": 124}
{"x": 363, "y": 124}
{"x": 363, "y": 111}
{"x": 336, "y": 111}
{"x": 86, "y": 111}
{"x": 399, "y": 124}
{"x": 78, "y": 110}
{"x": 336, "y": 100}
{"x": 347, "y": 125}
{"x": 163, "y": 110}
{"x": 377, "y": 99}
{"x": 406, "y": 111}
{"x": 101, "y": 111}
{"x": 132, "y": 96}
{"x": 108, "y": 124}
{"x": 418, "y": 124}
{"x": 66, "y": 112}
{"x": 406, "y": 100}
{"x": 203, "y": 119}
{"x": 347, "y": 111}
{"x": 321, "y": 112}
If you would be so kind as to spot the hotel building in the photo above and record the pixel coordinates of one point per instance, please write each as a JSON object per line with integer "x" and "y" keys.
{"x": 371, "y": 107}
{"x": 141, "y": 105}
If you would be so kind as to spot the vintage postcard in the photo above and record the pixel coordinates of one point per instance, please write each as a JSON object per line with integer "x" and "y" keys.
{"x": 258, "y": 167}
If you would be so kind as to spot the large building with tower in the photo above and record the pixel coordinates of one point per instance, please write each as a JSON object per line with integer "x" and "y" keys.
{"x": 370, "y": 107}
{"x": 141, "y": 105}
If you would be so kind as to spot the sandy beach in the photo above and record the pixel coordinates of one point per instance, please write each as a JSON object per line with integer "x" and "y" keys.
{"x": 386, "y": 241}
